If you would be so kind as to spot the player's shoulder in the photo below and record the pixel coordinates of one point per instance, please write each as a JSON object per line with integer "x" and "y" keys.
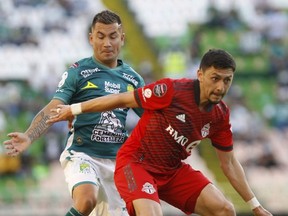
{"x": 80, "y": 64}
{"x": 183, "y": 83}
{"x": 175, "y": 82}
{"x": 83, "y": 68}
{"x": 166, "y": 83}
{"x": 130, "y": 74}
{"x": 128, "y": 68}
{"x": 222, "y": 108}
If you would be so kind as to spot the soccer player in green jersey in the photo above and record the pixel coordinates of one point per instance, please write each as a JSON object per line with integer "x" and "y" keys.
{"x": 88, "y": 160}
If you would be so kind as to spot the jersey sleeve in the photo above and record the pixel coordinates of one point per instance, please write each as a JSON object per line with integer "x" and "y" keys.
{"x": 67, "y": 86}
{"x": 223, "y": 139}
{"x": 141, "y": 83}
{"x": 154, "y": 96}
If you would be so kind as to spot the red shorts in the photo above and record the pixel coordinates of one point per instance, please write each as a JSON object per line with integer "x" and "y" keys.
{"x": 180, "y": 189}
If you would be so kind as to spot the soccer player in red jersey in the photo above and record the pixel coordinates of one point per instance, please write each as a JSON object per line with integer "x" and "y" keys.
{"x": 178, "y": 114}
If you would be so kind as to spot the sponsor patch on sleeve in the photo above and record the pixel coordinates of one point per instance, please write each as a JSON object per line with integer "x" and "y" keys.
{"x": 160, "y": 90}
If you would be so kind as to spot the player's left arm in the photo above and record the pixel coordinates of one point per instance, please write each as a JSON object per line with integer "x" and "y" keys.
{"x": 234, "y": 171}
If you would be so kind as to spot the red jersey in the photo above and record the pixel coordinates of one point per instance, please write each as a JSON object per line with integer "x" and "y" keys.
{"x": 172, "y": 125}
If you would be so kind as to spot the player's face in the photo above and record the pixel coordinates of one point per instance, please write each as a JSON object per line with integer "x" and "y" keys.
{"x": 106, "y": 41}
{"x": 214, "y": 84}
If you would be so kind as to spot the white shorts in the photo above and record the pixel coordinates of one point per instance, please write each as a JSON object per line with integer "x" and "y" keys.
{"x": 79, "y": 168}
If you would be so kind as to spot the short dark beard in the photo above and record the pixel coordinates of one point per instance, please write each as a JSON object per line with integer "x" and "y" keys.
{"x": 214, "y": 102}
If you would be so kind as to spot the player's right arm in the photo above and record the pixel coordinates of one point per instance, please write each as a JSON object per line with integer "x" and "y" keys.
{"x": 19, "y": 142}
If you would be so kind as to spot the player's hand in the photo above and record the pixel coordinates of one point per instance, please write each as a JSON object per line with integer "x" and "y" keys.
{"x": 17, "y": 144}
{"x": 70, "y": 122}
{"x": 260, "y": 211}
{"x": 61, "y": 113}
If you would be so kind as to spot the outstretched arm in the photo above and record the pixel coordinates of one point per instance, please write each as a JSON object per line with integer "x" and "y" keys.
{"x": 19, "y": 142}
{"x": 110, "y": 102}
{"x": 100, "y": 104}
{"x": 236, "y": 176}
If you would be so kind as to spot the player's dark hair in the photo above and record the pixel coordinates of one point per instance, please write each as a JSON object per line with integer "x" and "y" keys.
{"x": 219, "y": 59}
{"x": 106, "y": 17}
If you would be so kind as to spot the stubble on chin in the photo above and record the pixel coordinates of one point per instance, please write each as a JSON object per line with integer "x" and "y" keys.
{"x": 215, "y": 101}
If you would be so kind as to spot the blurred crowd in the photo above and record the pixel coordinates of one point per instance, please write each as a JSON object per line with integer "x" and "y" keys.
{"x": 260, "y": 135}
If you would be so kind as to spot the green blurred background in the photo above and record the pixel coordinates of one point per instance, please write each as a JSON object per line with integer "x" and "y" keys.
{"x": 39, "y": 39}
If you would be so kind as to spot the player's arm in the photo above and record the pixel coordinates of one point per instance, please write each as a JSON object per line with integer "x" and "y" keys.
{"x": 110, "y": 102}
{"x": 139, "y": 111}
{"x": 233, "y": 170}
{"x": 100, "y": 104}
{"x": 39, "y": 125}
{"x": 21, "y": 141}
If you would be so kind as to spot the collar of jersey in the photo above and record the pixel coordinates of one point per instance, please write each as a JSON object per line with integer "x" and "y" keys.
{"x": 209, "y": 106}
{"x": 119, "y": 63}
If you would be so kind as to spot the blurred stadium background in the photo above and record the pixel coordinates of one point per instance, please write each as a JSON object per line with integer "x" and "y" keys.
{"x": 40, "y": 38}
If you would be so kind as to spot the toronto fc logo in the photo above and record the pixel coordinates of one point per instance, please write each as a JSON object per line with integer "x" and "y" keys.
{"x": 205, "y": 130}
{"x": 148, "y": 188}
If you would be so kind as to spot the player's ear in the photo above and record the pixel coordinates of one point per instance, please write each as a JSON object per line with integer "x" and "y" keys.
{"x": 122, "y": 39}
{"x": 90, "y": 37}
{"x": 200, "y": 75}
